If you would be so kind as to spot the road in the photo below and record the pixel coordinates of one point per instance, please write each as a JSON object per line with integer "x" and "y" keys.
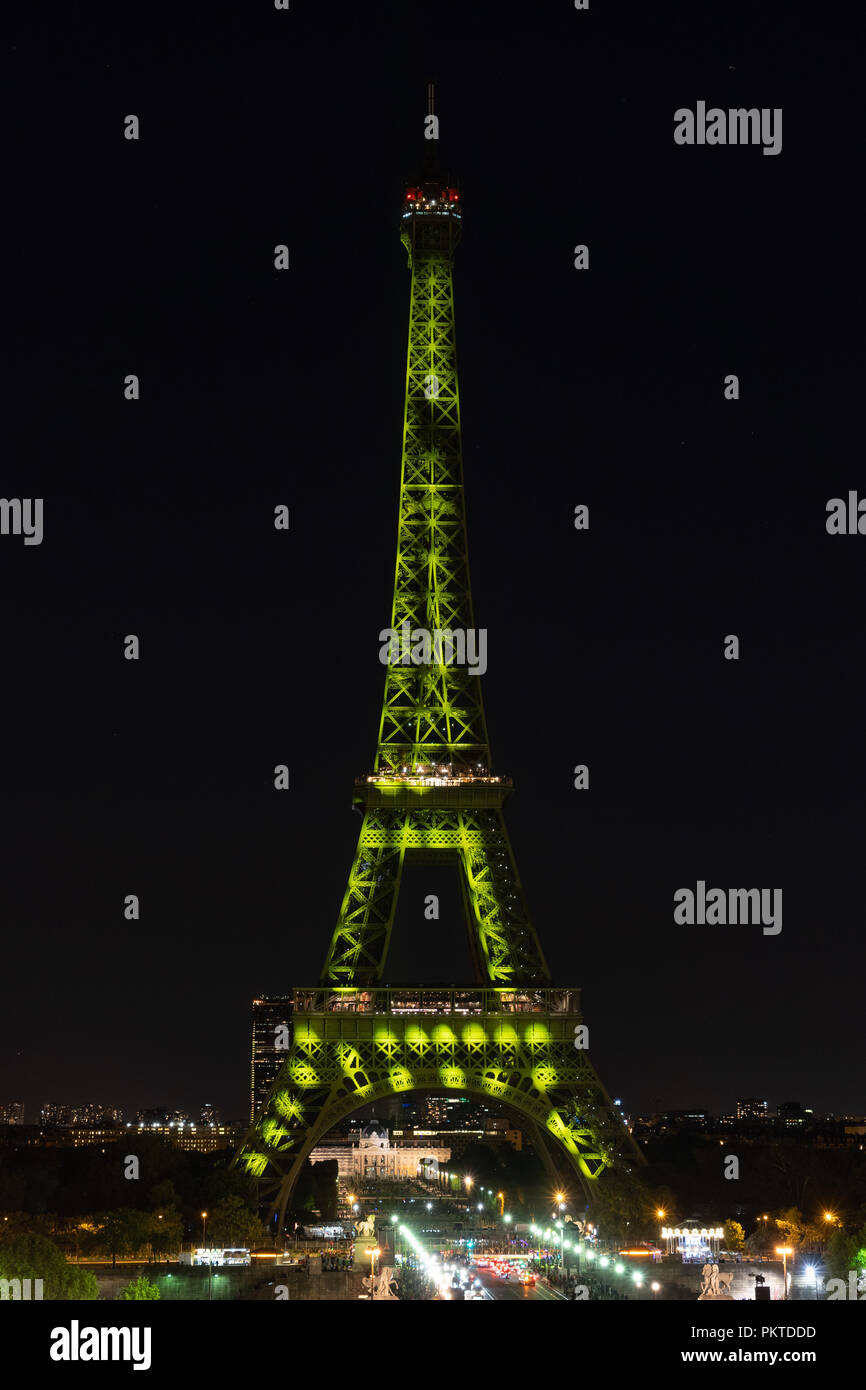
{"x": 511, "y": 1288}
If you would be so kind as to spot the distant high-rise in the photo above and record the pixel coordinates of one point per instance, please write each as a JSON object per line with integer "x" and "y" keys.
{"x": 94, "y": 1114}
{"x": 54, "y": 1113}
{"x": 271, "y": 1037}
{"x": 12, "y": 1113}
{"x": 791, "y": 1114}
{"x": 158, "y": 1115}
{"x": 751, "y": 1109}
{"x": 209, "y": 1115}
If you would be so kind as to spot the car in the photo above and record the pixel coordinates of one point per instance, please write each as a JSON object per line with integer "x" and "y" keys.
{"x": 527, "y": 1277}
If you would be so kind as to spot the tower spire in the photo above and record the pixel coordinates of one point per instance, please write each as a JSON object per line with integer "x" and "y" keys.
{"x": 432, "y": 788}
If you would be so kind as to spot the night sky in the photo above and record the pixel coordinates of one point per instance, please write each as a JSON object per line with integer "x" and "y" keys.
{"x": 604, "y": 387}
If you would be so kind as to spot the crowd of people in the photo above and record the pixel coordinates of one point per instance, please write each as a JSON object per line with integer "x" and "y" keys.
{"x": 338, "y": 1258}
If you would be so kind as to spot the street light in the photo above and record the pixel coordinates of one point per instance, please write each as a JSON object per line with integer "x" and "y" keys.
{"x": 373, "y": 1251}
{"x": 203, "y": 1225}
{"x": 784, "y": 1251}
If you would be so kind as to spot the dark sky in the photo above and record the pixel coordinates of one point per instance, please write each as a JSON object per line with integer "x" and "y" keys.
{"x": 258, "y": 648}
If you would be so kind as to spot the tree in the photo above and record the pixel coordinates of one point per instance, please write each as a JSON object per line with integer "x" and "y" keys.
{"x": 122, "y": 1232}
{"x": 140, "y": 1289}
{"x": 231, "y": 1223}
{"x": 762, "y": 1239}
{"x": 841, "y": 1252}
{"x": 735, "y": 1236}
{"x": 846, "y": 1251}
{"x": 621, "y": 1206}
{"x": 36, "y": 1257}
{"x": 164, "y": 1196}
{"x": 166, "y": 1230}
{"x": 795, "y": 1229}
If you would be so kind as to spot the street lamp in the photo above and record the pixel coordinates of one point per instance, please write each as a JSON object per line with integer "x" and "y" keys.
{"x": 660, "y": 1216}
{"x": 203, "y": 1225}
{"x": 784, "y": 1251}
{"x": 373, "y": 1251}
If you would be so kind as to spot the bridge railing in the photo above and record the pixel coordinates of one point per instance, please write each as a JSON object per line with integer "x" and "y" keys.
{"x": 435, "y": 1000}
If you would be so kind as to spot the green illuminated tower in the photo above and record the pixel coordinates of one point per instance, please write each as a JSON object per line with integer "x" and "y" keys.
{"x": 432, "y": 793}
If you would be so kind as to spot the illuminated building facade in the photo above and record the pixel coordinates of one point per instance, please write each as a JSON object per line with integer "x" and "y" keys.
{"x": 374, "y": 1156}
{"x": 751, "y": 1109}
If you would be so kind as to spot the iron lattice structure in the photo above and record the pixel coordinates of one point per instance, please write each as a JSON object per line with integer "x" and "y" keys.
{"x": 433, "y": 794}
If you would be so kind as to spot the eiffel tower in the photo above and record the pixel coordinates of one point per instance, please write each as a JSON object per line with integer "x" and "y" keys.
{"x": 510, "y": 1037}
